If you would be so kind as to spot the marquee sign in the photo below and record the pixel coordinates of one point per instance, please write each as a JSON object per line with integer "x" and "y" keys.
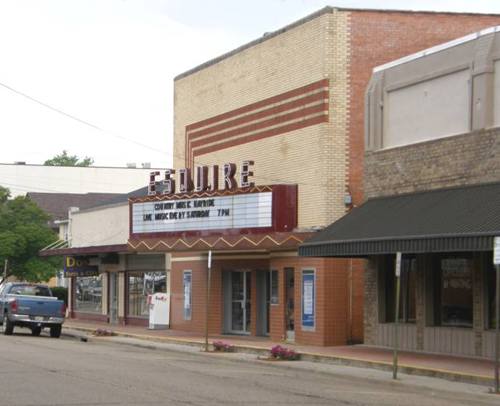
{"x": 250, "y": 210}
{"x": 255, "y": 209}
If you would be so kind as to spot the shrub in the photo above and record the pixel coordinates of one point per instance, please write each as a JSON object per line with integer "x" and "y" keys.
{"x": 61, "y": 293}
{"x": 222, "y": 346}
{"x": 283, "y": 353}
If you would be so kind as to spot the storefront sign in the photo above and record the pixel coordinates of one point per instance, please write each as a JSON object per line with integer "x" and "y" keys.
{"x": 496, "y": 251}
{"x": 79, "y": 266}
{"x": 206, "y": 179}
{"x": 247, "y": 210}
{"x": 398, "y": 264}
{"x": 308, "y": 299}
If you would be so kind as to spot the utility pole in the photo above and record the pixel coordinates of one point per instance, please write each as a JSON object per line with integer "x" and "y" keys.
{"x": 5, "y": 264}
{"x": 207, "y": 298}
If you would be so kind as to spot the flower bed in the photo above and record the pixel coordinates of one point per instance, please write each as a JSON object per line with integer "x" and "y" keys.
{"x": 222, "y": 346}
{"x": 102, "y": 332}
{"x": 282, "y": 353}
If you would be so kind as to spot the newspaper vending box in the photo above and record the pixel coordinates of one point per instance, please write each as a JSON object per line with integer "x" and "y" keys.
{"x": 159, "y": 311}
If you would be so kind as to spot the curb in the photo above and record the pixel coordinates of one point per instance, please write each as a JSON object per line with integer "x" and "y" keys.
{"x": 311, "y": 357}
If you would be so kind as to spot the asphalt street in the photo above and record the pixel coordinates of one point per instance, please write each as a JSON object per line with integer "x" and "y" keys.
{"x": 44, "y": 371}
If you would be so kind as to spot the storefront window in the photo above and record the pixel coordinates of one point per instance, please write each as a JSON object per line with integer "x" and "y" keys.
{"x": 140, "y": 285}
{"x": 455, "y": 293}
{"x": 89, "y": 294}
{"x": 407, "y": 290}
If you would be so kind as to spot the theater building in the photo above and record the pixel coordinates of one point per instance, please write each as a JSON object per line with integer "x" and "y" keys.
{"x": 432, "y": 180}
{"x": 292, "y": 102}
{"x": 269, "y": 149}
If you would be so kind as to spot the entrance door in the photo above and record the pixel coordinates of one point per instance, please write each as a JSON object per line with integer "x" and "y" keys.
{"x": 290, "y": 304}
{"x": 240, "y": 289}
{"x": 113, "y": 297}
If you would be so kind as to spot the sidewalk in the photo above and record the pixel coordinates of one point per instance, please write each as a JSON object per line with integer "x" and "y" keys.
{"x": 462, "y": 369}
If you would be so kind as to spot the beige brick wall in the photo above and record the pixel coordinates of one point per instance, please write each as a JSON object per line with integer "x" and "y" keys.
{"x": 464, "y": 159}
{"x": 313, "y": 157}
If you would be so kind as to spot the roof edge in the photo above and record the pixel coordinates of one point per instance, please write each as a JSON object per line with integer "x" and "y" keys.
{"x": 265, "y": 37}
{"x": 310, "y": 17}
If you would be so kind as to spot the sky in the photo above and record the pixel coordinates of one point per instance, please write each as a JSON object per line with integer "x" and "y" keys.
{"x": 95, "y": 77}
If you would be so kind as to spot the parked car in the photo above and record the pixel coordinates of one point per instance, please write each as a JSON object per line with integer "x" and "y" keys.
{"x": 32, "y": 306}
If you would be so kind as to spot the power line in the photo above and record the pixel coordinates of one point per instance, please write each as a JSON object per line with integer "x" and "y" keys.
{"x": 77, "y": 119}
{"x": 96, "y": 127}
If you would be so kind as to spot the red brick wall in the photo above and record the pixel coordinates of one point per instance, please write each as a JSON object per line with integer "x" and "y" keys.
{"x": 199, "y": 275}
{"x": 333, "y": 321}
{"x": 198, "y": 287}
{"x": 380, "y": 37}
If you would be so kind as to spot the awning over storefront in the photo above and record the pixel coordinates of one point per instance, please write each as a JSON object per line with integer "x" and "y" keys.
{"x": 445, "y": 220}
{"x": 91, "y": 250}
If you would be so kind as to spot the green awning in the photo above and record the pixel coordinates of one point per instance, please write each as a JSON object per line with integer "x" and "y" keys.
{"x": 457, "y": 219}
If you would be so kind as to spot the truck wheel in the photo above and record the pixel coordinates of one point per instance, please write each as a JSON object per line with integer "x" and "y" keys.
{"x": 7, "y": 326}
{"x": 55, "y": 331}
{"x": 36, "y": 331}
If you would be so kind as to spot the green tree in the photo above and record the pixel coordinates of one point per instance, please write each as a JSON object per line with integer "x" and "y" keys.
{"x": 23, "y": 232}
{"x": 64, "y": 159}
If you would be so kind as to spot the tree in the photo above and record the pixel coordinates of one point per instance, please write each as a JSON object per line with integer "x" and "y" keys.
{"x": 24, "y": 231}
{"x": 64, "y": 159}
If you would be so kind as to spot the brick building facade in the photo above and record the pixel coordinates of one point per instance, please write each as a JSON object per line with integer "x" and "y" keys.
{"x": 292, "y": 102}
{"x": 432, "y": 183}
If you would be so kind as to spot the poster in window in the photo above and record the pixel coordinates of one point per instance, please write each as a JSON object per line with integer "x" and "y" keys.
{"x": 308, "y": 299}
{"x": 187, "y": 295}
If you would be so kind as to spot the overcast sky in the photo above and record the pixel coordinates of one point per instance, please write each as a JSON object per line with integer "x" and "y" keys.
{"x": 111, "y": 64}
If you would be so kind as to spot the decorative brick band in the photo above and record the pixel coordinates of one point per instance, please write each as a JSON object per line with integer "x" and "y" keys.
{"x": 289, "y": 111}
{"x": 273, "y": 241}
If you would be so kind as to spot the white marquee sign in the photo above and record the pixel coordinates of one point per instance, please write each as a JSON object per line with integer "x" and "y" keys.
{"x": 249, "y": 210}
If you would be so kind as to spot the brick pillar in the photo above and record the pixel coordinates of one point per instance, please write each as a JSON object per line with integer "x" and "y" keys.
{"x": 371, "y": 302}
{"x": 215, "y": 316}
{"x": 277, "y": 313}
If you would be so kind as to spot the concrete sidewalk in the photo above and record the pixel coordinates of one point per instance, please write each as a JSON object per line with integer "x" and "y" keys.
{"x": 462, "y": 369}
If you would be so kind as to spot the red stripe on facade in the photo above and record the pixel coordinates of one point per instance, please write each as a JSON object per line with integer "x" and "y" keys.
{"x": 271, "y": 100}
{"x": 261, "y": 125}
{"x": 261, "y": 114}
{"x": 264, "y": 134}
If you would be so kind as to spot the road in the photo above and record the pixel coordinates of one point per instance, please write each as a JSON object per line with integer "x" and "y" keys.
{"x": 43, "y": 371}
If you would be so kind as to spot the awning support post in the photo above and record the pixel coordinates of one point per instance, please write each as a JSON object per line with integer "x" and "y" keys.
{"x": 497, "y": 335}
{"x": 396, "y": 318}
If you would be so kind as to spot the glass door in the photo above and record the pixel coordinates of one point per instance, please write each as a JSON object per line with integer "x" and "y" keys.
{"x": 240, "y": 302}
